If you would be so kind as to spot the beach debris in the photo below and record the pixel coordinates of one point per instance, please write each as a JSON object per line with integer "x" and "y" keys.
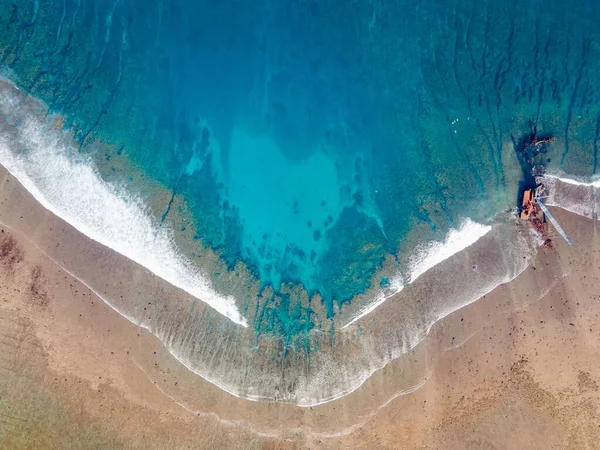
{"x": 535, "y": 212}
{"x": 532, "y": 213}
{"x": 538, "y": 143}
{"x": 530, "y": 150}
{"x": 11, "y": 252}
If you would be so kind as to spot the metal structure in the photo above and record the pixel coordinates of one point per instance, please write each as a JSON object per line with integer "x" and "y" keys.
{"x": 551, "y": 218}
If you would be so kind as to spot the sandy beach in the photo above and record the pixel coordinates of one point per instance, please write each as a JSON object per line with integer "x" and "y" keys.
{"x": 519, "y": 368}
{"x": 299, "y": 225}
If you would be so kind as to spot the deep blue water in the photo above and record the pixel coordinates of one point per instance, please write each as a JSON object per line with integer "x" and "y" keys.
{"x": 308, "y": 138}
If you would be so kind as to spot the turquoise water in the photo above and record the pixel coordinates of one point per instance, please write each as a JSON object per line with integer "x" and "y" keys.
{"x": 312, "y": 143}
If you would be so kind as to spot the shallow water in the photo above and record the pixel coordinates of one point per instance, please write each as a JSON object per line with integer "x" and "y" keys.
{"x": 295, "y": 164}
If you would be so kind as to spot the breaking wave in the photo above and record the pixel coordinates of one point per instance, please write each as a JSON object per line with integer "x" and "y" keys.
{"x": 435, "y": 252}
{"x": 579, "y": 197}
{"x": 41, "y": 157}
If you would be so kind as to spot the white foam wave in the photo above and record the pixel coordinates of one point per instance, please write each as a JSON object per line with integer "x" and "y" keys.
{"x": 68, "y": 185}
{"x": 434, "y": 252}
{"x": 579, "y": 197}
{"x": 593, "y": 183}
{"x": 427, "y": 257}
{"x": 396, "y": 285}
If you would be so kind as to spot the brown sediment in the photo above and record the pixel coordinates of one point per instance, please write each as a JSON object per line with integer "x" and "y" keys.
{"x": 519, "y": 368}
{"x": 10, "y": 252}
{"x": 38, "y": 295}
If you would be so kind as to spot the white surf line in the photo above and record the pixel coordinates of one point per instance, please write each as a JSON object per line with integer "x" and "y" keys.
{"x": 431, "y": 254}
{"x": 230, "y": 311}
{"x": 585, "y": 202}
{"x": 446, "y": 313}
{"x": 434, "y": 252}
{"x": 595, "y": 183}
{"x": 72, "y": 189}
{"x": 370, "y": 309}
{"x": 452, "y": 348}
{"x": 376, "y": 303}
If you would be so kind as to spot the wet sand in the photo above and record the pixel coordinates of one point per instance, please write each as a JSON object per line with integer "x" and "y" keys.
{"x": 519, "y": 368}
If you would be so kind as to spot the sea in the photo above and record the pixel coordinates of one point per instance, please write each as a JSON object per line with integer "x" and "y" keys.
{"x": 294, "y": 166}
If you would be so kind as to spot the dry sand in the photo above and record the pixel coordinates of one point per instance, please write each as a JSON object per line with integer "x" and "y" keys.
{"x": 519, "y": 368}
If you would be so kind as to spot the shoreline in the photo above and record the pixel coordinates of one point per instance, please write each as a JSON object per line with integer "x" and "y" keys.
{"x": 388, "y": 352}
{"x": 134, "y": 228}
{"x": 179, "y": 270}
{"x": 393, "y": 385}
{"x": 298, "y": 387}
{"x": 358, "y": 379}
